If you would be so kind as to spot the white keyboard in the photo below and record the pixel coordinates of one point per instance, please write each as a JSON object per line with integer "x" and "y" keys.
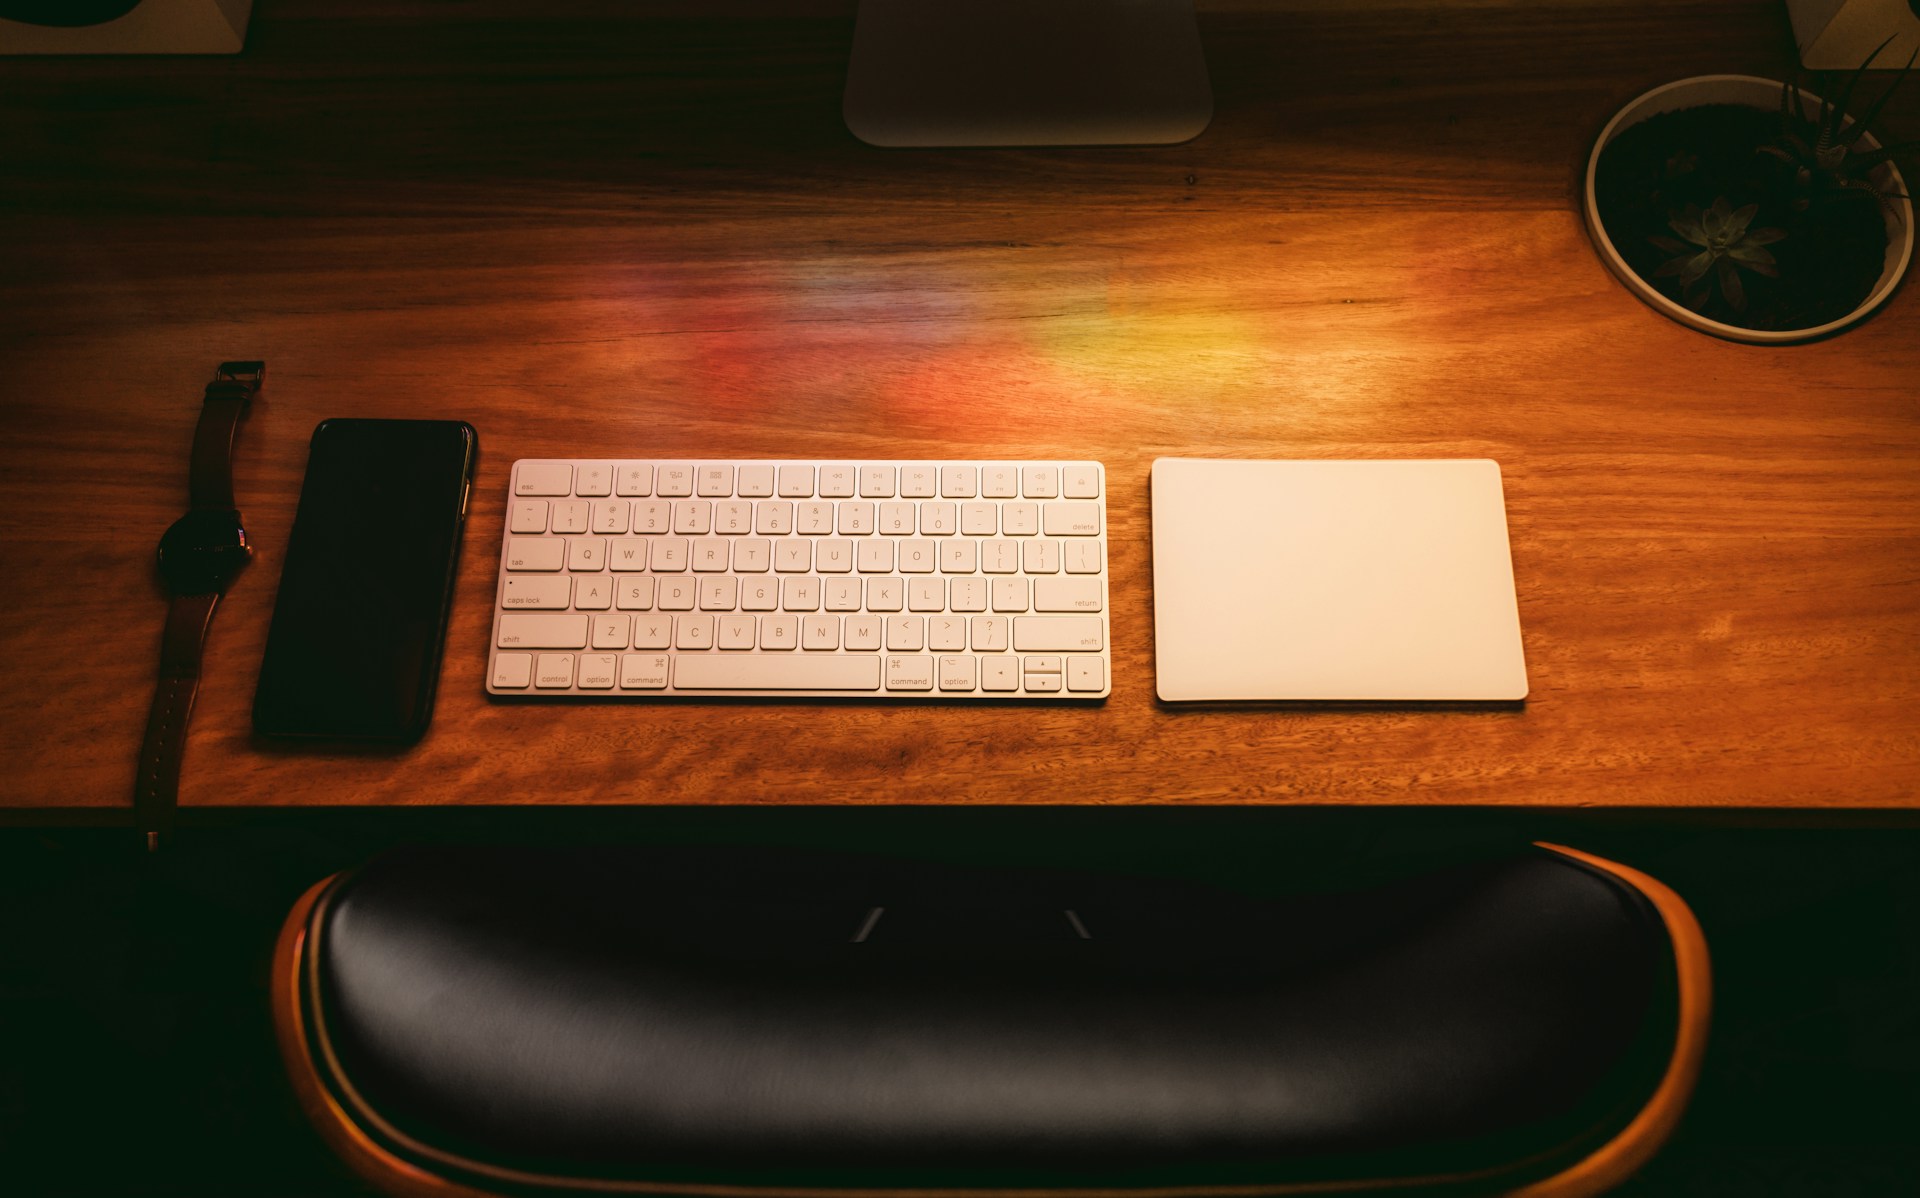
{"x": 899, "y": 580}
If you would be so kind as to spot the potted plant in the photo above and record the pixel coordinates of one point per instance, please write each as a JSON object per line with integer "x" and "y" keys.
{"x": 1750, "y": 208}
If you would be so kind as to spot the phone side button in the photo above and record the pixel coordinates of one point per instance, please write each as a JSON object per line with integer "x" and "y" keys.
{"x": 512, "y": 671}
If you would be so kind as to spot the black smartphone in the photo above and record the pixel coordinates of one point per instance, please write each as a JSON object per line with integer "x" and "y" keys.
{"x": 358, "y": 625}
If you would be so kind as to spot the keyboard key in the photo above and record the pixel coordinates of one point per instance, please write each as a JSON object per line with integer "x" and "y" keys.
{"x": 967, "y": 594}
{"x": 736, "y": 632}
{"x": 555, "y": 671}
{"x": 1040, "y": 482}
{"x": 918, "y": 556}
{"x": 632, "y": 479}
{"x": 586, "y": 553}
{"x": 610, "y": 516}
{"x": 796, "y": 482}
{"x": 593, "y": 593}
{"x": 956, "y": 672}
{"x": 643, "y": 671}
{"x": 838, "y": 481}
{"x": 529, "y": 515}
{"x": 926, "y": 594}
{"x": 910, "y": 672}
{"x": 714, "y": 481}
{"x": 596, "y": 671}
{"x": 820, "y": 632}
{"x": 946, "y": 633}
{"x": 813, "y": 519}
{"x": 1065, "y": 519}
{"x": 1086, "y": 674}
{"x": 512, "y": 671}
{"x": 1080, "y": 480}
{"x": 755, "y": 482}
{"x": 898, "y": 519}
{"x": 773, "y": 517}
{"x": 906, "y": 633}
{"x": 862, "y": 633}
{"x": 531, "y": 553}
{"x": 668, "y": 555}
{"x": 677, "y": 594}
{"x": 1070, "y": 593}
{"x": 673, "y": 480}
{"x": 523, "y": 631}
{"x": 999, "y": 674}
{"x": 937, "y": 518}
{"x": 611, "y": 632}
{"x": 800, "y": 594}
{"x": 652, "y": 516}
{"x": 919, "y": 482}
{"x": 733, "y": 518}
{"x": 876, "y": 482}
{"x": 693, "y": 517}
{"x": 779, "y": 632}
{"x": 835, "y": 672}
{"x": 1079, "y": 633}
{"x": 593, "y": 479}
{"x": 534, "y": 593}
{"x": 541, "y": 478}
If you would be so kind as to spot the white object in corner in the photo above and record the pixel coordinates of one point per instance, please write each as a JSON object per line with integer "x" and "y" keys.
{"x": 1837, "y": 35}
{"x": 153, "y": 27}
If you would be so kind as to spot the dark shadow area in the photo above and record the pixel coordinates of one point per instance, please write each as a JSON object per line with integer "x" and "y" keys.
{"x": 136, "y": 1053}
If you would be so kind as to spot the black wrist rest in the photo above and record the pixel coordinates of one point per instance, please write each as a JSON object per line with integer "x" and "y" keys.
{"x": 735, "y": 1021}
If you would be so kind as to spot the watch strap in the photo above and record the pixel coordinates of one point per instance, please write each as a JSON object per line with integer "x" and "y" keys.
{"x": 156, "y": 787}
{"x": 210, "y": 477}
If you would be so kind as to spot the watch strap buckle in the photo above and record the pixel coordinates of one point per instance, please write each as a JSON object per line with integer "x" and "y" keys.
{"x": 236, "y": 380}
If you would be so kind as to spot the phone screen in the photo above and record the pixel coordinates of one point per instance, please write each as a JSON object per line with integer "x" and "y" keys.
{"x": 358, "y": 624}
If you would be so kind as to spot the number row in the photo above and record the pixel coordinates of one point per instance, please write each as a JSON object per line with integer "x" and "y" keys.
{"x": 778, "y": 517}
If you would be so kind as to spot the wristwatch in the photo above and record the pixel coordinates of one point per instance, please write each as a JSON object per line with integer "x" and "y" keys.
{"x": 200, "y": 556}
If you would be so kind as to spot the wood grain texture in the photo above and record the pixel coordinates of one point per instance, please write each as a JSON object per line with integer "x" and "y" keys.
{"x": 642, "y": 230}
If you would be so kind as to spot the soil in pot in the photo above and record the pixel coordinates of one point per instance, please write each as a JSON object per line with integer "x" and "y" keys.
{"x": 1829, "y": 260}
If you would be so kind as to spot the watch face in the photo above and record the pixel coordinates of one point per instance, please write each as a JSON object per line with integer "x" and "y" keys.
{"x": 203, "y": 552}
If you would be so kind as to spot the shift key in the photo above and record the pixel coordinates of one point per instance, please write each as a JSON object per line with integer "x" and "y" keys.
{"x": 524, "y": 631}
{"x": 1052, "y": 634}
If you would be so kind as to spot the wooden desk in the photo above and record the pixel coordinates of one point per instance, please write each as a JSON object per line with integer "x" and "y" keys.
{"x": 587, "y": 229}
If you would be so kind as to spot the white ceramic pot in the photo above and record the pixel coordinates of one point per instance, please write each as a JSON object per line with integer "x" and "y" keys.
{"x": 1752, "y": 92}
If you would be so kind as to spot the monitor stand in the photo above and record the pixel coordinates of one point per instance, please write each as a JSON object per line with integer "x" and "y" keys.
{"x": 1027, "y": 73}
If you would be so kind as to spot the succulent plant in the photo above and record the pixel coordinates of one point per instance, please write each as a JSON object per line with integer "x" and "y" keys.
{"x": 1718, "y": 244}
{"x": 1822, "y": 149}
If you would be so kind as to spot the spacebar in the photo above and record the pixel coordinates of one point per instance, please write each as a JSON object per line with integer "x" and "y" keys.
{"x": 717, "y": 672}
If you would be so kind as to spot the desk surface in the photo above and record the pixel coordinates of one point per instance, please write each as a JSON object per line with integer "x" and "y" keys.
{"x": 649, "y": 234}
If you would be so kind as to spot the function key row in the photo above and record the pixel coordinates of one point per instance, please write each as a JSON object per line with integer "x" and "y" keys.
{"x": 765, "y": 480}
